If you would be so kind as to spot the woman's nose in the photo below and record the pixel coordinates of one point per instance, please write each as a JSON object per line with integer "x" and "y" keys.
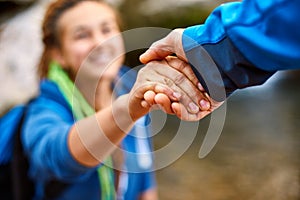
{"x": 99, "y": 38}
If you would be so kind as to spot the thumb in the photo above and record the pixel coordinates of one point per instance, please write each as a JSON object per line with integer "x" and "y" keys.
{"x": 155, "y": 52}
{"x": 159, "y": 50}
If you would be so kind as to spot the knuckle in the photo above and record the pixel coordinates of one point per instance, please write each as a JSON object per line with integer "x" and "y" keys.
{"x": 168, "y": 82}
{"x": 179, "y": 79}
{"x": 181, "y": 65}
{"x": 152, "y": 65}
{"x": 142, "y": 70}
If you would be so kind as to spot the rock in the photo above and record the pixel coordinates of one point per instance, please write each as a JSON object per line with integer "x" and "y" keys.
{"x": 20, "y": 50}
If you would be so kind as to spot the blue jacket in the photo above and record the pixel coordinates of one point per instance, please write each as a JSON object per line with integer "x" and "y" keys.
{"x": 45, "y": 132}
{"x": 246, "y": 42}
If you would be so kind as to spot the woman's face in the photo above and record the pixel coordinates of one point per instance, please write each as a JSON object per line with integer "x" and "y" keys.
{"x": 91, "y": 43}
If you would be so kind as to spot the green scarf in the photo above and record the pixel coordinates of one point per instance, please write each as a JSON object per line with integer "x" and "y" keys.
{"x": 81, "y": 109}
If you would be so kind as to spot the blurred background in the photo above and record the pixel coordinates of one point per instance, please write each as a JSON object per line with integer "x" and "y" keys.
{"x": 257, "y": 156}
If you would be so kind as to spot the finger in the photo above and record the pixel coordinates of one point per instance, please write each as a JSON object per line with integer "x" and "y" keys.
{"x": 161, "y": 78}
{"x": 197, "y": 91}
{"x": 177, "y": 109}
{"x": 146, "y": 91}
{"x": 183, "y": 98}
{"x": 164, "y": 102}
{"x": 215, "y": 104}
{"x": 149, "y": 80}
{"x": 145, "y": 104}
{"x": 149, "y": 97}
{"x": 171, "y": 44}
{"x": 184, "y": 68}
{"x": 201, "y": 88}
{"x": 158, "y": 51}
{"x": 179, "y": 95}
{"x": 163, "y": 81}
{"x": 181, "y": 112}
{"x": 190, "y": 96}
{"x": 157, "y": 88}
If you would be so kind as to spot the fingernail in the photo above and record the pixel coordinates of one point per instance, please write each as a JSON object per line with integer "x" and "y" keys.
{"x": 205, "y": 105}
{"x": 177, "y": 95}
{"x": 200, "y": 87}
{"x": 194, "y": 108}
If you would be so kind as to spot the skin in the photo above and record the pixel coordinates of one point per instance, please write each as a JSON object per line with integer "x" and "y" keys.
{"x": 168, "y": 45}
{"x": 82, "y": 30}
{"x": 91, "y": 50}
{"x": 172, "y": 44}
{"x": 187, "y": 109}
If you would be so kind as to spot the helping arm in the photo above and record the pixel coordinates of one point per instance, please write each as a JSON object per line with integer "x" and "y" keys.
{"x": 247, "y": 42}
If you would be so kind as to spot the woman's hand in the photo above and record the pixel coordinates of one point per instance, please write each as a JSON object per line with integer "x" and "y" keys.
{"x": 172, "y": 85}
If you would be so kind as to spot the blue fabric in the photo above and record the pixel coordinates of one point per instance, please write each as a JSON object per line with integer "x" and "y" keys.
{"x": 47, "y": 125}
{"x": 9, "y": 124}
{"x": 263, "y": 34}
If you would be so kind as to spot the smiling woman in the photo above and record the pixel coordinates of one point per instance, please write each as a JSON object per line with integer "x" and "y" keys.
{"x": 72, "y": 30}
{"x": 83, "y": 128}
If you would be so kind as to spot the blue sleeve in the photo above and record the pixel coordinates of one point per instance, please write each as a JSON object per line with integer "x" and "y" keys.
{"x": 45, "y": 140}
{"x": 246, "y": 41}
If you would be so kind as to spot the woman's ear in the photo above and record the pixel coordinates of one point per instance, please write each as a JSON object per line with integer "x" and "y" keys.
{"x": 58, "y": 57}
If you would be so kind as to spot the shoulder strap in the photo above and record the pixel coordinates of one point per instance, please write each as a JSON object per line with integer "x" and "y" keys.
{"x": 22, "y": 186}
{"x": 6, "y": 192}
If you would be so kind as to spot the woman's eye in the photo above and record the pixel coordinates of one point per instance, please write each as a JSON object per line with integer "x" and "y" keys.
{"x": 106, "y": 30}
{"x": 82, "y": 35}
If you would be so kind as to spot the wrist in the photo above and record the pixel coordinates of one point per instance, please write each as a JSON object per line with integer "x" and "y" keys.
{"x": 121, "y": 113}
{"x": 178, "y": 35}
{"x": 105, "y": 129}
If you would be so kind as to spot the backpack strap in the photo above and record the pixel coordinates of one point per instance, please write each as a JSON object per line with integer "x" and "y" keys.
{"x": 6, "y": 192}
{"x": 54, "y": 188}
{"x": 22, "y": 185}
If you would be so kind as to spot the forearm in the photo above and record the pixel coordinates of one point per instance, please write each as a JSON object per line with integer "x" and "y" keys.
{"x": 221, "y": 72}
{"x": 94, "y": 138}
{"x": 248, "y": 41}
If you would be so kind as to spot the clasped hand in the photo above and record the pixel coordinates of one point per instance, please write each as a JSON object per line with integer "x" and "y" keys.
{"x": 168, "y": 82}
{"x": 170, "y": 85}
